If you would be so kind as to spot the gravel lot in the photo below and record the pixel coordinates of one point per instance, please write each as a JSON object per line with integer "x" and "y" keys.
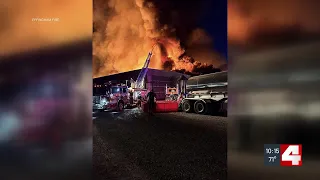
{"x": 131, "y": 145}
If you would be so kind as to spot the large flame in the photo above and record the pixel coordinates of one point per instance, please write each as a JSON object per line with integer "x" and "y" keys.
{"x": 125, "y": 31}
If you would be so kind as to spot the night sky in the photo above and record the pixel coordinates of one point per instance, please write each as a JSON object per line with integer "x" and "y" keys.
{"x": 215, "y": 22}
{"x": 210, "y": 15}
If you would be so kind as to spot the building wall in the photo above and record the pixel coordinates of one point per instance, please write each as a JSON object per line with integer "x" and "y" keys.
{"x": 156, "y": 79}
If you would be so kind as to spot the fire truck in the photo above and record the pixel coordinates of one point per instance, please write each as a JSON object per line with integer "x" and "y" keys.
{"x": 113, "y": 98}
{"x": 118, "y": 97}
{"x": 206, "y": 94}
{"x": 172, "y": 93}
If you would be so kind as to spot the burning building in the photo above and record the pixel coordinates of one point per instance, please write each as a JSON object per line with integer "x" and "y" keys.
{"x": 155, "y": 79}
{"x": 125, "y": 30}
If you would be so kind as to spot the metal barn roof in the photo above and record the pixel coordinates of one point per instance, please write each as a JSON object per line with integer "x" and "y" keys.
{"x": 134, "y": 74}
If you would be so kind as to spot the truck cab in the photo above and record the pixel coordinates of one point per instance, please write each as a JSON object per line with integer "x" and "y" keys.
{"x": 113, "y": 98}
{"x": 172, "y": 93}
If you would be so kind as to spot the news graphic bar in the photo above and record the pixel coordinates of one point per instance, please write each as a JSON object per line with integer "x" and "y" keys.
{"x": 272, "y": 154}
{"x": 283, "y": 154}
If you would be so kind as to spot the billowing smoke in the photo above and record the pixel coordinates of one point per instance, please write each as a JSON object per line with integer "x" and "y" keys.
{"x": 168, "y": 65}
{"x": 126, "y": 30}
{"x": 250, "y": 21}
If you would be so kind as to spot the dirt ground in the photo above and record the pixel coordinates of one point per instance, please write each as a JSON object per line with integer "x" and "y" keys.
{"x": 131, "y": 145}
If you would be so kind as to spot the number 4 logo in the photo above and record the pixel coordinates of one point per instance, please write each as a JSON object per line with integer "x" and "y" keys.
{"x": 291, "y": 154}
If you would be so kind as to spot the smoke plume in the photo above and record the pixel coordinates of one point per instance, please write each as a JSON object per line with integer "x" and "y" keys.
{"x": 250, "y": 21}
{"x": 126, "y": 30}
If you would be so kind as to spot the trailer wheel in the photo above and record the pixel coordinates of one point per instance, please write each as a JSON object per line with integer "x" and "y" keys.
{"x": 186, "y": 106}
{"x": 200, "y": 107}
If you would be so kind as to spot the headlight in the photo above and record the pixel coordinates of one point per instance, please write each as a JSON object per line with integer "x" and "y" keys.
{"x": 104, "y": 102}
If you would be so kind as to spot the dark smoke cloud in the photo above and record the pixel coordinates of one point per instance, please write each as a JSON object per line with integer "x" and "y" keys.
{"x": 183, "y": 18}
{"x": 168, "y": 65}
{"x": 182, "y": 15}
{"x": 200, "y": 70}
{"x": 205, "y": 69}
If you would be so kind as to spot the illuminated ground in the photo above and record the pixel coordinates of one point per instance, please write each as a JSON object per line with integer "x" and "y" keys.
{"x": 130, "y": 145}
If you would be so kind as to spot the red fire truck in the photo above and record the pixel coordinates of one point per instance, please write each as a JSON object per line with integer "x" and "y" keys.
{"x": 113, "y": 98}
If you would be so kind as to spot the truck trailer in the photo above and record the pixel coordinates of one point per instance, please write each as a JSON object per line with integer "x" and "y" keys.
{"x": 206, "y": 94}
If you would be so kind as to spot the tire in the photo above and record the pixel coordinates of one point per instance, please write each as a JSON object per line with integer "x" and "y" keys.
{"x": 120, "y": 106}
{"x": 186, "y": 106}
{"x": 200, "y": 107}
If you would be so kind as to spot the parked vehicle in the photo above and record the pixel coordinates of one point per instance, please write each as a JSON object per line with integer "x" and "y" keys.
{"x": 206, "y": 94}
{"x": 172, "y": 94}
{"x": 117, "y": 98}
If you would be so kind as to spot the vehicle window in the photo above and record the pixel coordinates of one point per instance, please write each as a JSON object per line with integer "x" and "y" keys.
{"x": 124, "y": 90}
{"x": 115, "y": 90}
{"x": 99, "y": 91}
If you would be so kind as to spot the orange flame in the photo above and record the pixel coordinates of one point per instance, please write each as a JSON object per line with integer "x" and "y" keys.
{"x": 123, "y": 38}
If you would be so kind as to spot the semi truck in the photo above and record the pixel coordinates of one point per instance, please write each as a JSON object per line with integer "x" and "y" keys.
{"x": 206, "y": 94}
